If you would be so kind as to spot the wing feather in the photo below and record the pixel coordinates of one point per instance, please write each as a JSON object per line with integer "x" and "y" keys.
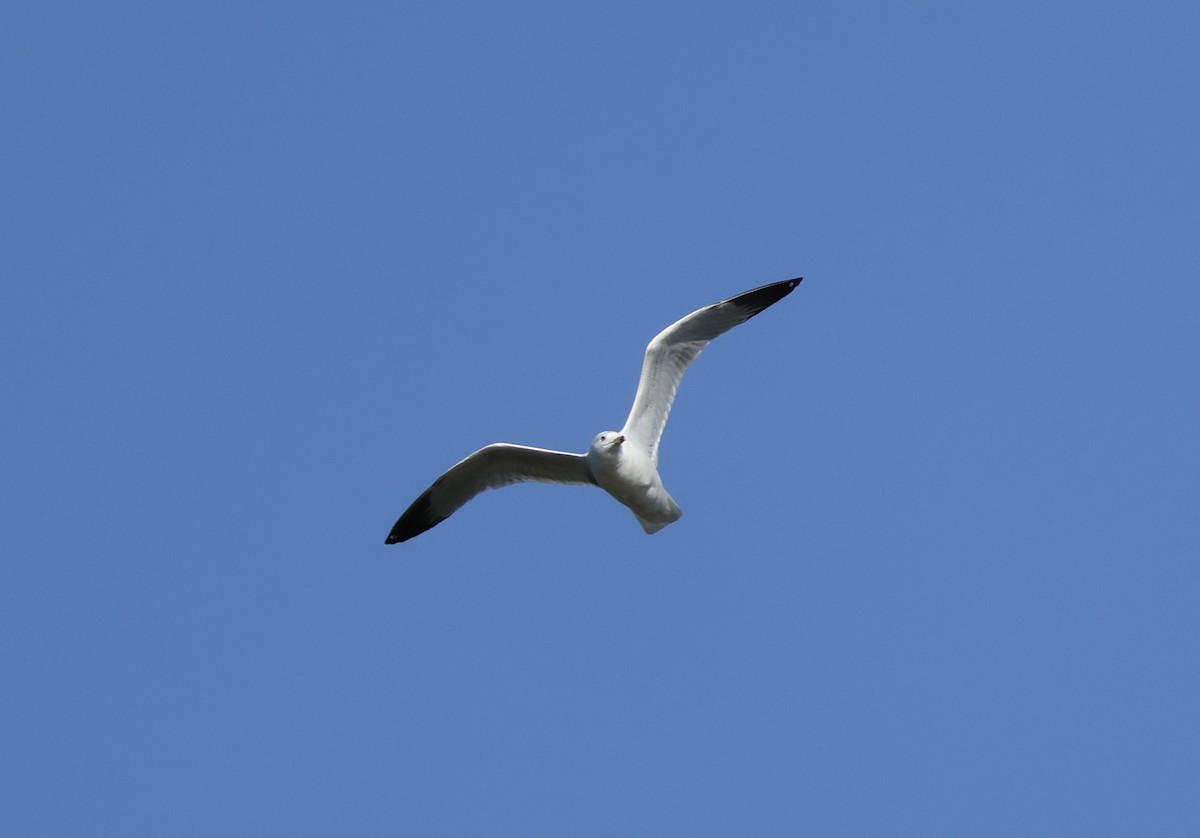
{"x": 674, "y": 348}
{"x": 491, "y": 467}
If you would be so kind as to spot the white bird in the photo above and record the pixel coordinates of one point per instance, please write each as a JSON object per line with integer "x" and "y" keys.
{"x": 624, "y": 463}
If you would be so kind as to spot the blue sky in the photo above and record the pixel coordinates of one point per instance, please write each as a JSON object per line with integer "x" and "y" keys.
{"x": 271, "y": 269}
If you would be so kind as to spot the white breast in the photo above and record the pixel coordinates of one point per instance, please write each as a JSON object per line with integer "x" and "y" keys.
{"x": 631, "y": 478}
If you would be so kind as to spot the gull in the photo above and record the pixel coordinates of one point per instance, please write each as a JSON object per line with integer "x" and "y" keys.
{"x": 623, "y": 463}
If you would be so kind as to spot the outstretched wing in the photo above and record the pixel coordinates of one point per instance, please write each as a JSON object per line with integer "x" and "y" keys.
{"x": 499, "y": 464}
{"x": 675, "y": 347}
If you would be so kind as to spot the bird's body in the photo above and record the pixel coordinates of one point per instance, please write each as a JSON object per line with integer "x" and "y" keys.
{"x": 624, "y": 463}
{"x": 627, "y": 472}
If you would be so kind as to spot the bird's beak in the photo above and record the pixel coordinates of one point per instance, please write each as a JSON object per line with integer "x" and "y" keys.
{"x": 618, "y": 439}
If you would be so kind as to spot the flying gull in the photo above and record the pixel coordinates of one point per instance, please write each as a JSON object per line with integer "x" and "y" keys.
{"x": 623, "y": 463}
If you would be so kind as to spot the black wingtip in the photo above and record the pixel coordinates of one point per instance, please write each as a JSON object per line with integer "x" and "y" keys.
{"x": 416, "y": 519}
{"x": 758, "y": 299}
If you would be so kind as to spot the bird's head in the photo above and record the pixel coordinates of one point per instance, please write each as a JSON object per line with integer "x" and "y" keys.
{"x": 608, "y": 443}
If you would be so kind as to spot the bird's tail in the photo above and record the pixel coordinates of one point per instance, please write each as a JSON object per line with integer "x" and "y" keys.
{"x": 668, "y": 515}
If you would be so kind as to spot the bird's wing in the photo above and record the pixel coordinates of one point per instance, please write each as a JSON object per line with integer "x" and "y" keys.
{"x": 675, "y": 347}
{"x": 499, "y": 464}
